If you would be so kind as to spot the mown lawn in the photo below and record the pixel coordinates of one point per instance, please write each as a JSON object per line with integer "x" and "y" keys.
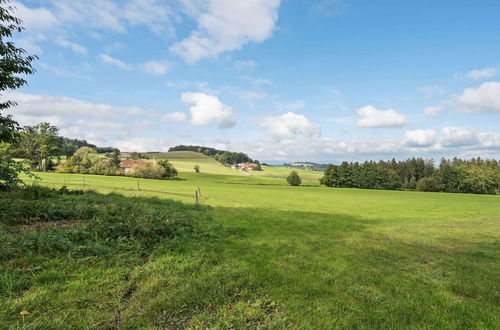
{"x": 264, "y": 254}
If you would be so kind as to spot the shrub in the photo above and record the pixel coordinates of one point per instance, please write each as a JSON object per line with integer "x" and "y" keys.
{"x": 428, "y": 184}
{"x": 197, "y": 168}
{"x": 163, "y": 171}
{"x": 293, "y": 179}
{"x": 146, "y": 172}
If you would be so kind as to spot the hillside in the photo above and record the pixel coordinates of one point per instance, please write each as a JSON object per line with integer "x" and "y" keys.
{"x": 184, "y": 161}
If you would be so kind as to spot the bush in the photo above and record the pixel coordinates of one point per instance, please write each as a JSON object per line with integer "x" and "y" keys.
{"x": 88, "y": 225}
{"x": 197, "y": 168}
{"x": 9, "y": 168}
{"x": 293, "y": 179}
{"x": 163, "y": 171}
{"x": 428, "y": 184}
{"x": 146, "y": 172}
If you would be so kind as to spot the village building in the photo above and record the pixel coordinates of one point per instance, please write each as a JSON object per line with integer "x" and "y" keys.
{"x": 244, "y": 166}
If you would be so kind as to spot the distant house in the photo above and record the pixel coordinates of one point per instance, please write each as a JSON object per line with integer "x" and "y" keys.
{"x": 244, "y": 166}
{"x": 129, "y": 163}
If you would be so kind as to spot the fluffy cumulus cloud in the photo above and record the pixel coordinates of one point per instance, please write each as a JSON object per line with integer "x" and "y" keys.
{"x": 486, "y": 97}
{"x": 103, "y": 124}
{"x": 143, "y": 144}
{"x": 481, "y": 74}
{"x": 207, "y": 109}
{"x": 226, "y": 25}
{"x": 420, "y": 138}
{"x": 459, "y": 136}
{"x": 289, "y": 125}
{"x": 370, "y": 116}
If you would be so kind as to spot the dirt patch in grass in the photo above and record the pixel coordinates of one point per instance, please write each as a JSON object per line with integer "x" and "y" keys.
{"x": 46, "y": 225}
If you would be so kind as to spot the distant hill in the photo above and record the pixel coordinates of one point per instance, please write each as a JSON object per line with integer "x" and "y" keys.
{"x": 223, "y": 156}
{"x": 184, "y": 161}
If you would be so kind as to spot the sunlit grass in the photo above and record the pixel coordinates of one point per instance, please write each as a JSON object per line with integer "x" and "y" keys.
{"x": 281, "y": 257}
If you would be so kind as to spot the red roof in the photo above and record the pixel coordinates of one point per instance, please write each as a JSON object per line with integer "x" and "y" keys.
{"x": 129, "y": 163}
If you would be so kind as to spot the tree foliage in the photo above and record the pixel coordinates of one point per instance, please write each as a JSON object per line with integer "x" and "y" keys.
{"x": 294, "y": 179}
{"x": 163, "y": 170}
{"x": 14, "y": 62}
{"x": 39, "y": 143}
{"x": 467, "y": 176}
{"x": 9, "y": 168}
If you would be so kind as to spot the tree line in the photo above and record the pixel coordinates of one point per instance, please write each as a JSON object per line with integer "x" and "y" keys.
{"x": 86, "y": 161}
{"x": 479, "y": 176}
{"x": 40, "y": 144}
{"x": 222, "y": 156}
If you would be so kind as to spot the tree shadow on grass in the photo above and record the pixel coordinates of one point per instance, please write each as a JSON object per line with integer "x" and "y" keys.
{"x": 328, "y": 267}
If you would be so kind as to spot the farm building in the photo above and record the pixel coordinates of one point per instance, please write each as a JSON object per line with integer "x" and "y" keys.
{"x": 244, "y": 166}
{"x": 127, "y": 165}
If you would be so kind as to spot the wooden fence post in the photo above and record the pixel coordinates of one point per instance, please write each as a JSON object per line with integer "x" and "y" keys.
{"x": 138, "y": 187}
{"x": 84, "y": 183}
{"x": 199, "y": 191}
{"x": 197, "y": 197}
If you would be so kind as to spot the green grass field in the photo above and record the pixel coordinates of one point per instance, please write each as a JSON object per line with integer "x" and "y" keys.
{"x": 277, "y": 256}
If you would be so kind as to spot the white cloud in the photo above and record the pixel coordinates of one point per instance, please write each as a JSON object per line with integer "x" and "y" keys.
{"x": 258, "y": 81}
{"x": 102, "y": 124}
{"x": 143, "y": 144}
{"x": 490, "y": 139}
{"x": 111, "y": 15}
{"x": 459, "y": 136}
{"x": 420, "y": 138}
{"x": 369, "y": 116}
{"x": 289, "y": 125}
{"x": 37, "y": 19}
{"x": 54, "y": 21}
{"x": 208, "y": 109}
{"x": 77, "y": 48}
{"x": 174, "y": 117}
{"x": 486, "y": 97}
{"x": 67, "y": 107}
{"x": 227, "y": 25}
{"x": 155, "y": 68}
{"x": 481, "y": 74}
{"x": 240, "y": 65}
{"x": 433, "y": 111}
{"x": 114, "y": 62}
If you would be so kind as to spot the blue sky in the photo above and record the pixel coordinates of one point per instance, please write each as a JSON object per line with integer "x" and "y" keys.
{"x": 318, "y": 80}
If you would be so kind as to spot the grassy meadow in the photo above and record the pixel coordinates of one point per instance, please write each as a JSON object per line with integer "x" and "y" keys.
{"x": 255, "y": 253}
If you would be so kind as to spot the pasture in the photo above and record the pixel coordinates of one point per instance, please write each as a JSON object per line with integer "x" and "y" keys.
{"x": 275, "y": 256}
